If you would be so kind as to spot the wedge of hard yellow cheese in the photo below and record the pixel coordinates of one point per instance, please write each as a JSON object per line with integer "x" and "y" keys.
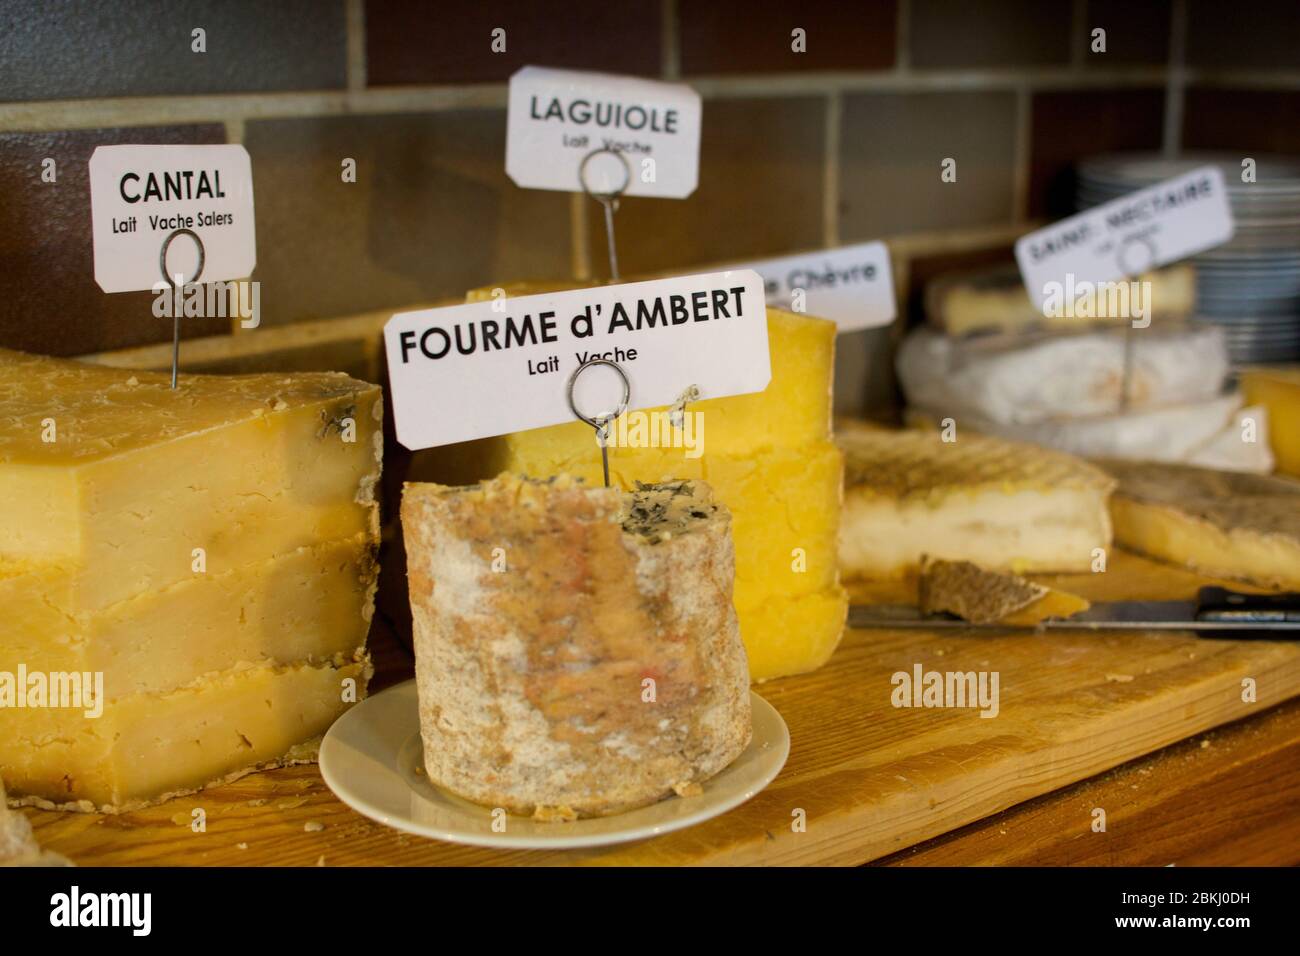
{"x": 991, "y": 597}
{"x": 769, "y": 459}
{"x": 187, "y": 575}
{"x": 1219, "y": 523}
{"x": 1278, "y": 390}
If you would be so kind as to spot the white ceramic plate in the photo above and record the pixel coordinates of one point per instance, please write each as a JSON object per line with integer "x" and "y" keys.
{"x": 373, "y": 760}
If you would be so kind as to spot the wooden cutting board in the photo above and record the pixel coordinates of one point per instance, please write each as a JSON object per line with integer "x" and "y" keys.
{"x": 868, "y": 778}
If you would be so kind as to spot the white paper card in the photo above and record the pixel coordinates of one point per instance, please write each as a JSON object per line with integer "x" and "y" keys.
{"x": 559, "y": 118}
{"x": 489, "y": 368}
{"x": 853, "y": 286}
{"x": 139, "y": 195}
{"x": 1127, "y": 236}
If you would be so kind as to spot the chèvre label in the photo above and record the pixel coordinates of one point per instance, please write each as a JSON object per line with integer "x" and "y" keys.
{"x": 853, "y": 286}
{"x": 141, "y": 195}
{"x": 489, "y": 368}
{"x": 567, "y": 128}
{"x": 1126, "y": 237}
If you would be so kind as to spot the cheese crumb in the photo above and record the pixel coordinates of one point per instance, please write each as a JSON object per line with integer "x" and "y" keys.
{"x": 555, "y": 814}
{"x": 687, "y": 788}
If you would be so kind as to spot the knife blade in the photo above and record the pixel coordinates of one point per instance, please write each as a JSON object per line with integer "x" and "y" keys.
{"x": 1216, "y": 612}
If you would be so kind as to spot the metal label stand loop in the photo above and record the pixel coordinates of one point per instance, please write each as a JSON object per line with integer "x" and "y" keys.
{"x": 176, "y": 315}
{"x": 1130, "y": 269}
{"x": 607, "y": 199}
{"x": 600, "y": 423}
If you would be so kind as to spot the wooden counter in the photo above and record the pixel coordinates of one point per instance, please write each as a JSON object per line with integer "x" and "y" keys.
{"x": 902, "y": 786}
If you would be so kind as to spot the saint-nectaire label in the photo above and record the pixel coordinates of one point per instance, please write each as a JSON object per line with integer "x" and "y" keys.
{"x": 488, "y": 368}
{"x": 139, "y": 195}
{"x": 1127, "y": 236}
{"x": 852, "y": 286}
{"x": 559, "y": 118}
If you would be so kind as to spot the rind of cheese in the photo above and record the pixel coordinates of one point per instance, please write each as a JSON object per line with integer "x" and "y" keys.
{"x": 995, "y": 300}
{"x": 312, "y": 605}
{"x": 120, "y": 477}
{"x": 1219, "y": 523}
{"x": 17, "y": 845}
{"x": 1278, "y": 390}
{"x": 989, "y": 597}
{"x": 785, "y": 508}
{"x": 1001, "y": 505}
{"x": 576, "y": 650}
{"x": 146, "y": 748}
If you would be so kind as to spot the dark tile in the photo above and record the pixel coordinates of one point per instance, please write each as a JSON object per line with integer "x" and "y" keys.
{"x": 891, "y": 151}
{"x": 68, "y": 49}
{"x": 1259, "y": 35}
{"x": 754, "y": 36}
{"x": 989, "y": 34}
{"x": 1261, "y": 120}
{"x": 407, "y": 42}
{"x": 762, "y": 168}
{"x": 431, "y": 214}
{"x": 49, "y": 301}
{"x": 1137, "y": 34}
{"x": 1067, "y": 126}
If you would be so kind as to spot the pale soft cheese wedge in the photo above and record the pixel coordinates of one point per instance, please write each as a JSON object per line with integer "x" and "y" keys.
{"x": 202, "y": 561}
{"x": 1002, "y": 505}
{"x": 1219, "y": 523}
{"x": 769, "y": 459}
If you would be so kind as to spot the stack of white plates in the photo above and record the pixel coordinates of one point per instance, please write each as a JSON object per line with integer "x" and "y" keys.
{"x": 1251, "y": 285}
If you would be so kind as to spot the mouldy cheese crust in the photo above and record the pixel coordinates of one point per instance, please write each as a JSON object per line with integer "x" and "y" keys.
{"x": 1219, "y": 523}
{"x": 542, "y": 608}
{"x": 1002, "y": 505}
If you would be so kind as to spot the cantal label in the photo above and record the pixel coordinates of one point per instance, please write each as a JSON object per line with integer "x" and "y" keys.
{"x": 141, "y": 195}
{"x": 1127, "y": 236}
{"x": 614, "y": 133}
{"x": 853, "y": 286}
{"x": 490, "y": 368}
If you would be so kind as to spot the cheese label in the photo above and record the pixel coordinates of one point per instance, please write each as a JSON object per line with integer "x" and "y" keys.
{"x": 567, "y": 128}
{"x": 141, "y": 195}
{"x": 1125, "y": 237}
{"x": 490, "y": 368}
{"x": 852, "y": 286}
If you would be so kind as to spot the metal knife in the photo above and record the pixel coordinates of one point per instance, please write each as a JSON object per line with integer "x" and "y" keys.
{"x": 1216, "y": 612}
